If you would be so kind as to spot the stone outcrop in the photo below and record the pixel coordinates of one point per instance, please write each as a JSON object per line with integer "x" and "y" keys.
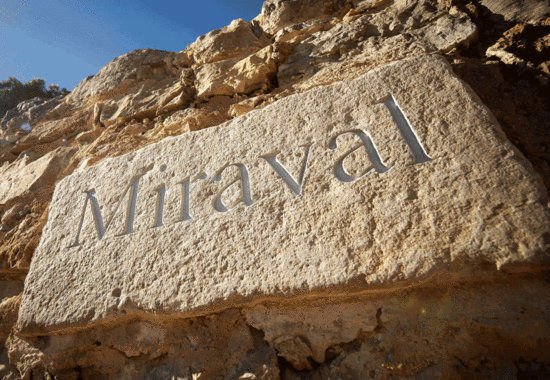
{"x": 277, "y": 14}
{"x": 445, "y": 312}
{"x": 525, "y": 11}
{"x": 235, "y": 41}
{"x": 364, "y": 41}
{"x": 28, "y": 112}
{"x": 429, "y": 170}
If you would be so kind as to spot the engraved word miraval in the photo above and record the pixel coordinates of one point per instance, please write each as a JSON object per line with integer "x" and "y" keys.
{"x": 405, "y": 128}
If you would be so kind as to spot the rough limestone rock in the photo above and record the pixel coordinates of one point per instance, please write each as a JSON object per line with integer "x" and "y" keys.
{"x": 26, "y": 186}
{"x": 9, "y": 307}
{"x": 522, "y": 11}
{"x": 28, "y": 112}
{"x": 277, "y": 14}
{"x": 372, "y": 38}
{"x": 237, "y": 40}
{"x": 186, "y": 349}
{"x": 252, "y": 73}
{"x": 298, "y": 32}
{"x": 22, "y": 177}
{"x": 124, "y": 72}
{"x": 468, "y": 322}
{"x": 404, "y": 177}
{"x": 143, "y": 103}
{"x": 300, "y": 333}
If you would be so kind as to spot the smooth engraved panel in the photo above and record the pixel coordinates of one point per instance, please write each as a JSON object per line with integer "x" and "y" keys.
{"x": 399, "y": 177}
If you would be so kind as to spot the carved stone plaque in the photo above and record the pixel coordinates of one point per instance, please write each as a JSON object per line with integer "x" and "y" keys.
{"x": 396, "y": 178}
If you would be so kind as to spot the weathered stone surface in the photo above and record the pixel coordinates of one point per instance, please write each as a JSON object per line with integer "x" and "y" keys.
{"x": 277, "y": 14}
{"x": 237, "y": 40}
{"x": 297, "y": 32}
{"x": 447, "y": 190}
{"x": 125, "y": 71}
{"x": 447, "y": 33}
{"x": 439, "y": 332}
{"x": 371, "y": 37}
{"x": 299, "y": 333}
{"x": 142, "y": 103}
{"x": 197, "y": 348}
{"x": 21, "y": 178}
{"x": 434, "y": 333}
{"x": 9, "y": 289}
{"x": 8, "y": 317}
{"x": 28, "y": 112}
{"x": 523, "y": 44}
{"x": 523, "y": 11}
{"x": 252, "y": 73}
{"x": 447, "y": 330}
{"x": 26, "y": 186}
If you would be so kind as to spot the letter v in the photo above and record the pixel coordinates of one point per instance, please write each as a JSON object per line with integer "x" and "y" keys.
{"x": 296, "y": 187}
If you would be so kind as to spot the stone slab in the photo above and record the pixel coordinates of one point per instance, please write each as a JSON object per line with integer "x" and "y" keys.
{"x": 398, "y": 177}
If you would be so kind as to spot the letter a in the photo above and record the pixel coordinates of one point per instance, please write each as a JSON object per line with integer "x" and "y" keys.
{"x": 296, "y": 187}
{"x": 98, "y": 218}
{"x": 246, "y": 199}
{"x": 372, "y": 152}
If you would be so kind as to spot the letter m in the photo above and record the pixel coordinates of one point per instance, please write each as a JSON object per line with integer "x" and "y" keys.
{"x": 100, "y": 226}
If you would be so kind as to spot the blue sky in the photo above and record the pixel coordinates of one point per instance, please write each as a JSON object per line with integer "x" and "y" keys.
{"x": 64, "y": 41}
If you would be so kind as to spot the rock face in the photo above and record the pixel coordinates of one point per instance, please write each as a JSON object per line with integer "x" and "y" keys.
{"x": 525, "y": 11}
{"x": 276, "y": 14}
{"x": 433, "y": 269}
{"x": 27, "y": 112}
{"x": 383, "y": 190}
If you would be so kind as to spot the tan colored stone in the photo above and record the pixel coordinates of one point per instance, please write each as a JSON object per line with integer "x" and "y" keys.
{"x": 373, "y": 53}
{"x": 518, "y": 42}
{"x": 53, "y": 134}
{"x": 302, "y": 332}
{"x": 466, "y": 196}
{"x": 252, "y": 73}
{"x": 277, "y": 14}
{"x": 123, "y": 72}
{"x": 28, "y": 112}
{"x": 205, "y": 347}
{"x": 365, "y": 41}
{"x": 526, "y": 11}
{"x": 9, "y": 289}
{"x": 23, "y": 177}
{"x": 298, "y": 32}
{"x": 466, "y": 325}
{"x": 448, "y": 32}
{"x": 146, "y": 101}
{"x": 235, "y": 41}
{"x": 9, "y": 308}
{"x": 147, "y": 98}
{"x": 256, "y": 102}
{"x": 26, "y": 186}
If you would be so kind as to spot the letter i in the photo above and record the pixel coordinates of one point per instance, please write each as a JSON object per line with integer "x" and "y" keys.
{"x": 160, "y": 206}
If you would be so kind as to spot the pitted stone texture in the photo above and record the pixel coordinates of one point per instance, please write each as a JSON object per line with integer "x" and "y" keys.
{"x": 124, "y": 72}
{"x": 366, "y": 39}
{"x": 277, "y": 14}
{"x": 525, "y": 11}
{"x": 252, "y": 73}
{"x": 23, "y": 177}
{"x": 302, "y": 332}
{"x": 236, "y": 40}
{"x": 476, "y": 207}
{"x": 28, "y": 112}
